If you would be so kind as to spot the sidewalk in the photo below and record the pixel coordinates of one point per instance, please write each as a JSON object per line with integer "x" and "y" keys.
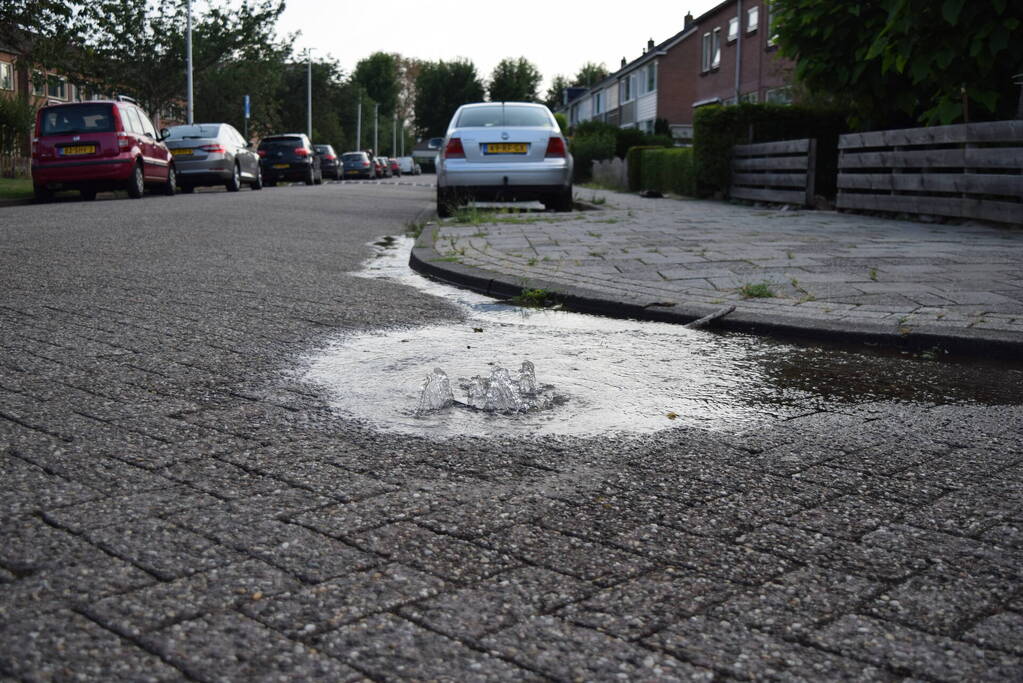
{"x": 817, "y": 273}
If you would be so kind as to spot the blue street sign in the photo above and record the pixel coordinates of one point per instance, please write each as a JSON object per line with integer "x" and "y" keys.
{"x": 247, "y": 108}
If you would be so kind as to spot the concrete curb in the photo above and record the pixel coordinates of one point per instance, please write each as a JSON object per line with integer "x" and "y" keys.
{"x": 426, "y": 260}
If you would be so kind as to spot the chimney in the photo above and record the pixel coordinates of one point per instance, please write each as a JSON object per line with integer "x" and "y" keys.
{"x": 689, "y": 20}
{"x": 624, "y": 62}
{"x": 650, "y": 45}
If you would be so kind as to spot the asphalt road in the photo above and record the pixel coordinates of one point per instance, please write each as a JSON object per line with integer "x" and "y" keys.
{"x": 176, "y": 504}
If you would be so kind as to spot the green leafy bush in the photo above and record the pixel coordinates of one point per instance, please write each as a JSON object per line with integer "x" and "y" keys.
{"x": 587, "y": 149}
{"x": 668, "y": 170}
{"x": 717, "y": 129}
{"x": 634, "y": 161}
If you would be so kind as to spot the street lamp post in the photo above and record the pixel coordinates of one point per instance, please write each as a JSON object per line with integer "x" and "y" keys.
{"x": 188, "y": 64}
{"x": 376, "y": 129}
{"x": 309, "y": 95}
{"x": 358, "y": 123}
{"x": 394, "y": 136}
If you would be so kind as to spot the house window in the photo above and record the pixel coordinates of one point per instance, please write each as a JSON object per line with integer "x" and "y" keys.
{"x": 38, "y": 84}
{"x": 772, "y": 33}
{"x": 651, "y": 77}
{"x": 597, "y": 104}
{"x": 750, "y": 97}
{"x": 715, "y": 62}
{"x": 6, "y": 76}
{"x": 56, "y": 88}
{"x": 779, "y": 95}
{"x": 705, "y": 53}
{"x": 752, "y": 19}
{"x": 733, "y": 29}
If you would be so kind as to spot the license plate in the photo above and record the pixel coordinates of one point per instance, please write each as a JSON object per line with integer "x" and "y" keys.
{"x": 505, "y": 148}
{"x": 352, "y": 172}
{"x": 77, "y": 149}
{"x": 181, "y": 152}
{"x": 282, "y": 165}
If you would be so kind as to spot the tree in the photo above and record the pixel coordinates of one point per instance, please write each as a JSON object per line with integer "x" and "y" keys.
{"x": 39, "y": 30}
{"x": 440, "y": 89}
{"x": 556, "y": 93}
{"x": 148, "y": 61}
{"x": 589, "y": 75}
{"x": 893, "y": 62}
{"x": 514, "y": 80}
{"x": 378, "y": 75}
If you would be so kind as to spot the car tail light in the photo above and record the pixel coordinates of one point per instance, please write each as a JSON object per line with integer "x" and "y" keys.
{"x": 261, "y": 152}
{"x": 365, "y": 164}
{"x": 35, "y": 148}
{"x": 123, "y": 141}
{"x": 213, "y": 149}
{"x": 329, "y": 157}
{"x": 454, "y": 149}
{"x": 301, "y": 151}
{"x": 555, "y": 147}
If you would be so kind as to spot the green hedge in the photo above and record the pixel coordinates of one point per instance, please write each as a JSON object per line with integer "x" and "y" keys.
{"x": 668, "y": 170}
{"x": 589, "y": 148}
{"x": 634, "y": 162}
{"x": 717, "y": 129}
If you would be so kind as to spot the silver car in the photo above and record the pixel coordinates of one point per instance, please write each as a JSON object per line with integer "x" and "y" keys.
{"x": 504, "y": 151}
{"x": 213, "y": 154}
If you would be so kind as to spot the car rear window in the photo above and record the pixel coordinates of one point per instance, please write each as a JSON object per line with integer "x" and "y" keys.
{"x": 281, "y": 143}
{"x": 354, "y": 156}
{"x": 504, "y": 116}
{"x": 324, "y": 149}
{"x": 198, "y": 131}
{"x": 79, "y": 118}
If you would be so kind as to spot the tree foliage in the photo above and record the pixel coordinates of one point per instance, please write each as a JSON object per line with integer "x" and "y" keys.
{"x": 40, "y": 30}
{"x": 589, "y": 75}
{"x": 378, "y": 75}
{"x": 555, "y": 96}
{"x": 894, "y": 62}
{"x": 440, "y": 89}
{"x": 514, "y": 80}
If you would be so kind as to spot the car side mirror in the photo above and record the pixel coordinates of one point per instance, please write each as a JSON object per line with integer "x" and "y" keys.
{"x": 164, "y": 132}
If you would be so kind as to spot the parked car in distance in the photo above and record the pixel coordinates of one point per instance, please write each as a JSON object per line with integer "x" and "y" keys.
{"x": 289, "y": 157}
{"x": 330, "y": 165}
{"x": 378, "y": 167}
{"x": 358, "y": 165}
{"x": 504, "y": 151}
{"x": 97, "y": 146}
{"x": 409, "y": 166}
{"x": 395, "y": 166}
{"x": 385, "y": 167}
{"x": 213, "y": 154}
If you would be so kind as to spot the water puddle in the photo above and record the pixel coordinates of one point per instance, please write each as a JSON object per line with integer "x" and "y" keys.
{"x": 590, "y": 375}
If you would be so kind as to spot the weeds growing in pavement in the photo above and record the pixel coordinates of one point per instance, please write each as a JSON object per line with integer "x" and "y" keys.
{"x": 760, "y": 290}
{"x": 535, "y": 298}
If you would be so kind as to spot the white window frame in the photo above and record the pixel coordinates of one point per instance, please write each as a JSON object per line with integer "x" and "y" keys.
{"x": 6, "y": 76}
{"x": 37, "y": 89}
{"x": 733, "y": 29}
{"x": 752, "y": 19}
{"x": 58, "y": 85}
{"x": 715, "y": 61}
{"x": 705, "y": 52}
{"x": 772, "y": 35}
{"x": 650, "y": 80}
{"x": 598, "y": 102}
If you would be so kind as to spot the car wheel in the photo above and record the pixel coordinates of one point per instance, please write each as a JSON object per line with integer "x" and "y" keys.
{"x": 257, "y": 184}
{"x": 445, "y": 203}
{"x": 170, "y": 186}
{"x": 137, "y": 182}
{"x": 270, "y": 183}
{"x": 41, "y": 193}
{"x": 187, "y": 189}
{"x": 561, "y": 202}
{"x": 310, "y": 176}
{"x": 88, "y": 195}
{"x": 234, "y": 183}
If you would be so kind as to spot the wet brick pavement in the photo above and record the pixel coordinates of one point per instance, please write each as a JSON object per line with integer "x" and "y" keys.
{"x": 828, "y": 274}
{"x": 175, "y": 505}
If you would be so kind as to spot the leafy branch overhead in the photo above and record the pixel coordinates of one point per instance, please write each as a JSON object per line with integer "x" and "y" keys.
{"x": 898, "y": 62}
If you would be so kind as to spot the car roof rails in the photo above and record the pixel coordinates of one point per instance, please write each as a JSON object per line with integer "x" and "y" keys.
{"x": 125, "y": 98}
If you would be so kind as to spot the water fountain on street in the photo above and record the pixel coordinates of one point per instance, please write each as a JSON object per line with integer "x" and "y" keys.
{"x": 498, "y": 393}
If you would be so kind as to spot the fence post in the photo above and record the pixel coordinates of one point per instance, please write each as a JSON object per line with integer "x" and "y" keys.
{"x": 811, "y": 172}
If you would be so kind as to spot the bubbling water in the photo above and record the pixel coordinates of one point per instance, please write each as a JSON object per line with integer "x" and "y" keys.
{"x": 498, "y": 393}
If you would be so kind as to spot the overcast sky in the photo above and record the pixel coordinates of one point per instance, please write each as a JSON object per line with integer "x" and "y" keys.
{"x": 557, "y": 36}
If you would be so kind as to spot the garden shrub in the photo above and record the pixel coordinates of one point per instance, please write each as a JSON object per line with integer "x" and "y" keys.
{"x": 668, "y": 170}
{"x": 587, "y": 149}
{"x": 634, "y": 159}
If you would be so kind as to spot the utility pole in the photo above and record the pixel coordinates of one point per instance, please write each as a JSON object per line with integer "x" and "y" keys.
{"x": 309, "y": 96}
{"x": 394, "y": 136}
{"x": 376, "y": 129}
{"x": 188, "y": 63}
{"x": 358, "y": 124}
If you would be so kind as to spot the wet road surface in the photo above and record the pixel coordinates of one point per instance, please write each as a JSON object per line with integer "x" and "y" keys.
{"x": 177, "y": 501}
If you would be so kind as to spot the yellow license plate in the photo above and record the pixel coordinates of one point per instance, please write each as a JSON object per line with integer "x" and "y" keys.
{"x": 505, "y": 148}
{"x": 77, "y": 149}
{"x": 181, "y": 152}
{"x": 282, "y": 165}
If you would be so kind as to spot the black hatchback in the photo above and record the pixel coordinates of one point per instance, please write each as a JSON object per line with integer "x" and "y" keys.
{"x": 289, "y": 157}
{"x": 330, "y": 165}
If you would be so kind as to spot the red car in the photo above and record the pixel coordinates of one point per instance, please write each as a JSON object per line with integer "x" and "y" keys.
{"x": 96, "y": 146}
{"x": 395, "y": 167}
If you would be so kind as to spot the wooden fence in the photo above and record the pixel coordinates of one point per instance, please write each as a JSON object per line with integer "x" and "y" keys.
{"x": 781, "y": 172}
{"x": 14, "y": 166}
{"x": 965, "y": 171}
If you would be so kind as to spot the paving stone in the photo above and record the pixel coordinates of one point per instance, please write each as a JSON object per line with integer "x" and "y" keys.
{"x": 946, "y": 552}
{"x": 329, "y": 480}
{"x": 496, "y": 602}
{"x": 745, "y": 653}
{"x": 161, "y": 548}
{"x": 848, "y": 517}
{"x": 28, "y": 488}
{"x": 568, "y": 555}
{"x": 732, "y": 562}
{"x": 303, "y": 613}
{"x": 565, "y": 651}
{"x": 648, "y": 603}
{"x": 221, "y": 479}
{"x": 391, "y": 648}
{"x": 449, "y": 558}
{"x": 1003, "y": 631}
{"x": 67, "y": 646}
{"x": 231, "y": 647}
{"x": 108, "y": 511}
{"x": 156, "y": 606}
{"x": 914, "y": 653}
{"x": 343, "y": 520}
